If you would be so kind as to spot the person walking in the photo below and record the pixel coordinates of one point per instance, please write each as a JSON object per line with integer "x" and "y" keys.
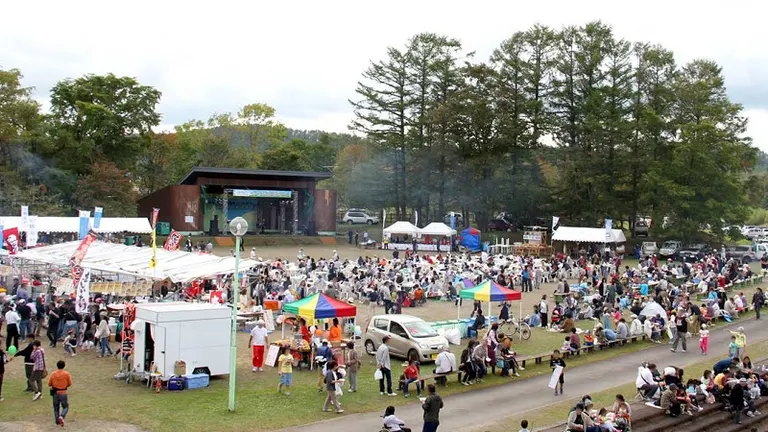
{"x": 59, "y": 382}
{"x": 384, "y": 365}
{"x": 102, "y": 335}
{"x": 285, "y": 371}
{"x": 681, "y": 326}
{"x": 758, "y": 299}
{"x": 543, "y": 310}
{"x": 38, "y": 370}
{"x": 353, "y": 366}
{"x": 53, "y": 324}
{"x": 330, "y": 387}
{"x": 431, "y": 406}
{"x": 258, "y": 340}
{"x": 3, "y": 360}
{"x": 25, "y": 317}
{"x": 12, "y": 328}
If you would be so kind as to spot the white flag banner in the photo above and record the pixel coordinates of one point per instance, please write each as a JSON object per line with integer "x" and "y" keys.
{"x": 416, "y": 213}
{"x": 609, "y": 230}
{"x": 24, "y": 219}
{"x": 384, "y": 218}
{"x": 555, "y": 223}
{"x": 31, "y": 231}
{"x": 555, "y": 377}
{"x": 82, "y": 298}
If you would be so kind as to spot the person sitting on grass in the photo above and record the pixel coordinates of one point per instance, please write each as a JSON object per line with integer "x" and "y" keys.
{"x": 579, "y": 421}
{"x": 669, "y": 402}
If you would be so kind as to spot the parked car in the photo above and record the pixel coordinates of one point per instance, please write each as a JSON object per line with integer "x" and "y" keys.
{"x": 693, "y": 252}
{"x": 411, "y": 337}
{"x": 648, "y": 249}
{"x": 499, "y": 225}
{"x": 355, "y": 217}
{"x": 641, "y": 228}
{"x": 670, "y": 248}
{"x": 458, "y": 219}
{"x": 756, "y": 232}
{"x": 744, "y": 254}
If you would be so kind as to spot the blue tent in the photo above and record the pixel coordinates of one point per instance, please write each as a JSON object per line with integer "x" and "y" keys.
{"x": 470, "y": 239}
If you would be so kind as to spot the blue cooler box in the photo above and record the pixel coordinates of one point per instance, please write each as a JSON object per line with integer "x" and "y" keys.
{"x": 196, "y": 381}
{"x": 176, "y": 383}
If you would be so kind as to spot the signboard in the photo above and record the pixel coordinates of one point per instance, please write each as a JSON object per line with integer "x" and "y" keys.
{"x": 272, "y": 353}
{"x": 533, "y": 236}
{"x": 262, "y": 193}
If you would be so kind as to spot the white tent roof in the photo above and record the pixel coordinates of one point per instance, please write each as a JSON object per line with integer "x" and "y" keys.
{"x": 55, "y": 224}
{"x": 178, "y": 266}
{"x": 438, "y": 229}
{"x": 588, "y": 235}
{"x": 402, "y": 227}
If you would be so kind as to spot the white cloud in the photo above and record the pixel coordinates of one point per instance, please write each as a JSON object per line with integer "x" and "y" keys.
{"x": 305, "y": 57}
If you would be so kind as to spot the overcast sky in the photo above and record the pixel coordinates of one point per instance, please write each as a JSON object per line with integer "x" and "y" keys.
{"x": 305, "y": 57}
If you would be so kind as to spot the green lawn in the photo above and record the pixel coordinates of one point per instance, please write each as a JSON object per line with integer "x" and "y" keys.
{"x": 96, "y": 395}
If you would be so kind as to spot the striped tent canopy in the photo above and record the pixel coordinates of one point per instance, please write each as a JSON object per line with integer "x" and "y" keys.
{"x": 490, "y": 291}
{"x": 320, "y": 306}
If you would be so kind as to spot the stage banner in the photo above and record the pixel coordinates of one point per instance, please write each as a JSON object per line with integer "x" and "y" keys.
{"x": 174, "y": 241}
{"x": 153, "y": 260}
{"x": 97, "y": 212}
{"x": 82, "y": 290}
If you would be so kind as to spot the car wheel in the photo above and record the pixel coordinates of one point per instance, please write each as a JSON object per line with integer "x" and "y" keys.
{"x": 369, "y": 222}
{"x": 370, "y": 349}
{"x": 413, "y": 354}
{"x": 349, "y": 221}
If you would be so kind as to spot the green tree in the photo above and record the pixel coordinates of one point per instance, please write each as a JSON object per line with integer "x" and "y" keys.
{"x": 101, "y": 117}
{"x": 290, "y": 156}
{"x": 107, "y": 186}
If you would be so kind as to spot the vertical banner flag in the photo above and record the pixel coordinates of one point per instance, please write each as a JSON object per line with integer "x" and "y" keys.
{"x": 174, "y": 241}
{"x": 97, "y": 216}
{"x": 78, "y": 272}
{"x": 77, "y": 256}
{"x": 153, "y": 260}
{"x": 2, "y": 237}
{"x": 24, "y": 218}
{"x": 555, "y": 223}
{"x": 384, "y": 218}
{"x": 608, "y": 230}
{"x": 453, "y": 220}
{"x": 83, "y": 291}
{"x": 32, "y": 231}
{"x": 416, "y": 222}
{"x": 12, "y": 241}
{"x": 85, "y": 220}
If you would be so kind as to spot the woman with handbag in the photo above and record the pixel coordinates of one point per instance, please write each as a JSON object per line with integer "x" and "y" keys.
{"x": 38, "y": 370}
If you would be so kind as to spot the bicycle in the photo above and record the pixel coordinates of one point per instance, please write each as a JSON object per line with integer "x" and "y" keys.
{"x": 512, "y": 327}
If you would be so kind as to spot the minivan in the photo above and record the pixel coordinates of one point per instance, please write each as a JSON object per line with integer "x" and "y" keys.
{"x": 410, "y": 337}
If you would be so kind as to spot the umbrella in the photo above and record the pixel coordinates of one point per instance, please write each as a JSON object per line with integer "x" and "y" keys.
{"x": 490, "y": 291}
{"x": 320, "y": 306}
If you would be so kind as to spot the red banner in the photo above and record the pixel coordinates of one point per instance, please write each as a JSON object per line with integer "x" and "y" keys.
{"x": 77, "y": 257}
{"x": 174, "y": 241}
{"x": 12, "y": 240}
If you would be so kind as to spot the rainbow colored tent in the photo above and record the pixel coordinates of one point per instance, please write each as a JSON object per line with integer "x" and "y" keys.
{"x": 320, "y": 306}
{"x": 490, "y": 291}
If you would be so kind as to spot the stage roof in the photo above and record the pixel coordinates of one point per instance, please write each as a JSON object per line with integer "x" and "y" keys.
{"x": 196, "y": 172}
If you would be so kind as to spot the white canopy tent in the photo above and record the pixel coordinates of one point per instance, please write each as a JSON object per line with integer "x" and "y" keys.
{"x": 178, "y": 266}
{"x": 402, "y": 227}
{"x": 57, "y": 224}
{"x": 438, "y": 229}
{"x": 588, "y": 235}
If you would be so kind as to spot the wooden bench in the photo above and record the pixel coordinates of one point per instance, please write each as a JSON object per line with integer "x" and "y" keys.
{"x": 436, "y": 377}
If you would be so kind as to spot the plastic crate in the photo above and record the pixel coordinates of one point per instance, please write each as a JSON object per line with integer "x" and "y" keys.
{"x": 196, "y": 381}
{"x": 176, "y": 383}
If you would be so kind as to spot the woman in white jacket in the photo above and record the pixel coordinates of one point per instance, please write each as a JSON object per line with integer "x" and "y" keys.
{"x": 635, "y": 327}
{"x": 102, "y": 334}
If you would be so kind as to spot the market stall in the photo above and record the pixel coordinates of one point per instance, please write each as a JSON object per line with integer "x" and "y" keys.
{"x": 588, "y": 235}
{"x": 319, "y": 308}
{"x": 401, "y": 236}
{"x": 489, "y": 291}
{"x": 442, "y": 232}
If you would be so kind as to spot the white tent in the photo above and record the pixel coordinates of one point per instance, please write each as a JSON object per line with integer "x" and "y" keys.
{"x": 402, "y": 227}
{"x": 55, "y": 224}
{"x": 588, "y": 235}
{"x": 438, "y": 229}
{"x": 652, "y": 309}
{"x": 178, "y": 266}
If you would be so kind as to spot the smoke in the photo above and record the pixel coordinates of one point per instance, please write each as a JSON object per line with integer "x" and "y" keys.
{"x": 35, "y": 170}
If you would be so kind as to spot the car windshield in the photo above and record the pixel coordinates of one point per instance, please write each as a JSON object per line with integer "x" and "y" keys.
{"x": 668, "y": 245}
{"x": 695, "y": 246}
{"x": 420, "y": 329}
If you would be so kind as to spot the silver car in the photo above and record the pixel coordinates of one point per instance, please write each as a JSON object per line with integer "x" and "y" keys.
{"x": 410, "y": 337}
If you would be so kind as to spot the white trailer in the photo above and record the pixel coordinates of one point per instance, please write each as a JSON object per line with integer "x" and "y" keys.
{"x": 196, "y": 333}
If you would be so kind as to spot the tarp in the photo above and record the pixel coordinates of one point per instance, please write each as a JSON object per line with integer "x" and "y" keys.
{"x": 490, "y": 291}
{"x": 319, "y": 306}
{"x": 55, "y": 224}
{"x": 438, "y": 229}
{"x": 588, "y": 235}
{"x": 178, "y": 266}
{"x": 470, "y": 239}
{"x": 652, "y": 309}
{"x": 402, "y": 227}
